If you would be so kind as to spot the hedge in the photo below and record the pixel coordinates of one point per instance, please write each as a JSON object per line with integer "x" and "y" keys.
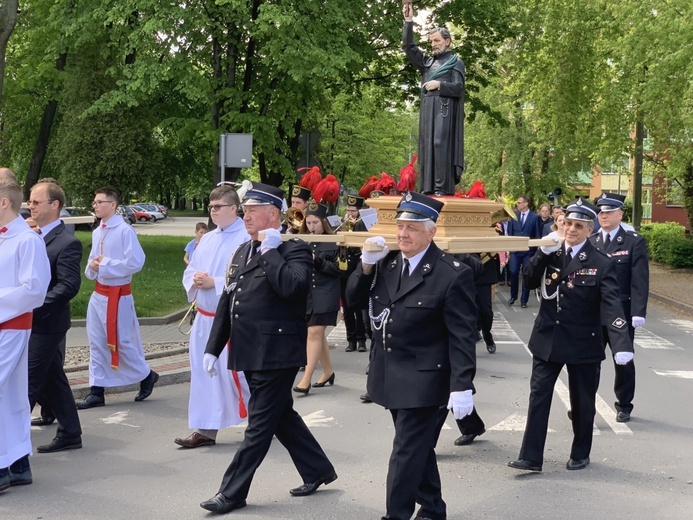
{"x": 668, "y": 243}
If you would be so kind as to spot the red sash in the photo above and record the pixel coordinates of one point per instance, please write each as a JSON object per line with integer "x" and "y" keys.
{"x": 113, "y": 293}
{"x": 205, "y": 313}
{"x": 21, "y": 322}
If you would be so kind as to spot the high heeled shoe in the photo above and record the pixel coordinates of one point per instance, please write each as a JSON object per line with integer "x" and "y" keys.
{"x": 300, "y": 390}
{"x": 329, "y": 380}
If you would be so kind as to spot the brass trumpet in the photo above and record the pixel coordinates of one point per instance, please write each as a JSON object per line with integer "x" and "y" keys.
{"x": 294, "y": 218}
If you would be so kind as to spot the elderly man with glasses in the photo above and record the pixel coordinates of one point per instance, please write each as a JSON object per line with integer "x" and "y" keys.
{"x": 116, "y": 355}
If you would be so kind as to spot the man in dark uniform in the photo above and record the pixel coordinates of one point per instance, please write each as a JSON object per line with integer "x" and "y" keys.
{"x": 423, "y": 353}
{"x": 48, "y": 383}
{"x": 441, "y": 120}
{"x": 354, "y": 317}
{"x": 268, "y": 347}
{"x": 579, "y": 290}
{"x": 628, "y": 250}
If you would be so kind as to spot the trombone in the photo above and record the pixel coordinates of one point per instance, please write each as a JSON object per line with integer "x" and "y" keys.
{"x": 294, "y": 218}
{"x": 188, "y": 319}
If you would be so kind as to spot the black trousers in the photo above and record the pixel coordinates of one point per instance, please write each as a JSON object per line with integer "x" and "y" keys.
{"x": 353, "y": 317}
{"x": 412, "y": 474}
{"x": 270, "y": 413}
{"x": 472, "y": 424}
{"x": 48, "y": 383}
{"x": 484, "y": 304}
{"x": 624, "y": 375}
{"x": 583, "y": 380}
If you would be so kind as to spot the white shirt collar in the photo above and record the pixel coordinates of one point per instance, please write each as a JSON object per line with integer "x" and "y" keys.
{"x": 414, "y": 260}
{"x": 576, "y": 249}
{"x": 49, "y": 227}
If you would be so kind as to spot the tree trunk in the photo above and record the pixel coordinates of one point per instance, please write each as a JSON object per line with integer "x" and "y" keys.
{"x": 637, "y": 172}
{"x": 44, "y": 136}
{"x": 8, "y": 19}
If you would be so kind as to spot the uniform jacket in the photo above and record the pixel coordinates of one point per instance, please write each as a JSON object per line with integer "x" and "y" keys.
{"x": 64, "y": 254}
{"x": 264, "y": 311}
{"x": 628, "y": 250}
{"x": 568, "y": 329}
{"x": 324, "y": 291}
{"x": 426, "y": 346}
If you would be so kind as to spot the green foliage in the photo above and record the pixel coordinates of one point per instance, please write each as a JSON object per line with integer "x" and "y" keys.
{"x": 660, "y": 239}
{"x": 157, "y": 289}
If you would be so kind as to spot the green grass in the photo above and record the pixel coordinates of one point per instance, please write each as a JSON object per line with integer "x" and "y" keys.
{"x": 188, "y": 213}
{"x": 157, "y": 288}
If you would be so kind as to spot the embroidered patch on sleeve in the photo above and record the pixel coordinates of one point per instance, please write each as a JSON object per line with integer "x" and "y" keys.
{"x": 619, "y": 323}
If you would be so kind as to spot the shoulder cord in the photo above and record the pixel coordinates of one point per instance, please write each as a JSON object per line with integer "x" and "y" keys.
{"x": 555, "y": 296}
{"x": 378, "y": 322}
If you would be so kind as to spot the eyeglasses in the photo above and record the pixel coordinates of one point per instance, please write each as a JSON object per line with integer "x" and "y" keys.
{"x": 217, "y": 207}
{"x": 37, "y": 202}
{"x": 99, "y": 202}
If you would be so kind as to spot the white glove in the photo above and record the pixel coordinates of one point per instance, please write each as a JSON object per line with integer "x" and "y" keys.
{"x": 637, "y": 321}
{"x": 547, "y": 250}
{"x": 373, "y": 257}
{"x": 461, "y": 404}
{"x": 623, "y": 358}
{"x": 273, "y": 240}
{"x": 208, "y": 362}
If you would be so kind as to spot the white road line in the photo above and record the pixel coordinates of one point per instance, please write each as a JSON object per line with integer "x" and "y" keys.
{"x": 649, "y": 340}
{"x": 685, "y": 325}
{"x": 564, "y": 395}
{"x": 683, "y": 374}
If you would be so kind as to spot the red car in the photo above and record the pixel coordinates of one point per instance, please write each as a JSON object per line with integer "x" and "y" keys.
{"x": 140, "y": 216}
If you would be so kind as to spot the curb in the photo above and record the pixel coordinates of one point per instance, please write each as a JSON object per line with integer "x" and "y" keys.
{"x": 672, "y": 303}
{"x": 148, "y": 357}
{"x": 181, "y": 375}
{"x": 159, "y": 320}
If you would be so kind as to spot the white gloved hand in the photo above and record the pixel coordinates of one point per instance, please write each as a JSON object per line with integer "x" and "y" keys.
{"x": 623, "y": 358}
{"x": 461, "y": 404}
{"x": 373, "y": 257}
{"x": 637, "y": 321}
{"x": 547, "y": 250}
{"x": 208, "y": 362}
{"x": 273, "y": 240}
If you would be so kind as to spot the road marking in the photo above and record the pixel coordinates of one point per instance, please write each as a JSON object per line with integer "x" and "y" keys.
{"x": 503, "y": 332}
{"x": 318, "y": 419}
{"x": 118, "y": 418}
{"x": 685, "y": 325}
{"x": 338, "y": 332}
{"x": 649, "y": 340}
{"x": 683, "y": 374}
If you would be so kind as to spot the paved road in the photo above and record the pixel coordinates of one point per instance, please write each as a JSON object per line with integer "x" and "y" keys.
{"x": 130, "y": 468}
{"x": 175, "y": 226}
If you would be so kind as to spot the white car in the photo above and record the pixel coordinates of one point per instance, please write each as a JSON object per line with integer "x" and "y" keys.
{"x": 153, "y": 215}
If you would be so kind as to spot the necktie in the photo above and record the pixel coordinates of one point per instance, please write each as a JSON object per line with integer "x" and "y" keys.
{"x": 522, "y": 220}
{"x": 607, "y": 240}
{"x": 405, "y": 274}
{"x": 569, "y": 254}
{"x": 254, "y": 247}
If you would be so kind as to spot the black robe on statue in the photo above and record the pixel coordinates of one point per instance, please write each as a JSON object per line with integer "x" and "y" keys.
{"x": 441, "y": 120}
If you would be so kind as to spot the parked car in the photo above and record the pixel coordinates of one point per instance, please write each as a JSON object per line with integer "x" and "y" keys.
{"x": 163, "y": 209}
{"x": 127, "y": 214}
{"x": 153, "y": 209}
{"x": 140, "y": 215}
{"x": 83, "y": 212}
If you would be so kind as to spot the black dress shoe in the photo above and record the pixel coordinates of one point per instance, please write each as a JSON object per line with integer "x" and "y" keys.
{"x": 220, "y": 504}
{"x": 622, "y": 417}
{"x": 511, "y": 301}
{"x": 320, "y": 384}
{"x": 61, "y": 444}
{"x": 351, "y": 347}
{"x": 362, "y": 346}
{"x": 523, "y": 305}
{"x": 44, "y": 420}
{"x": 491, "y": 347}
{"x": 91, "y": 401}
{"x": 468, "y": 438}
{"x": 577, "y": 463}
{"x": 366, "y": 398}
{"x": 300, "y": 390}
{"x": 311, "y": 487}
{"x": 146, "y": 386}
{"x": 525, "y": 465}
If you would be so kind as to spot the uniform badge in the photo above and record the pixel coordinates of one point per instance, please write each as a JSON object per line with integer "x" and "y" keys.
{"x": 408, "y": 196}
{"x": 579, "y": 202}
{"x": 558, "y": 252}
{"x": 428, "y": 266}
{"x": 351, "y": 201}
{"x": 619, "y": 323}
{"x": 554, "y": 276}
{"x": 603, "y": 196}
{"x": 547, "y": 281}
{"x": 569, "y": 285}
{"x": 619, "y": 239}
{"x": 582, "y": 256}
{"x": 456, "y": 264}
{"x": 312, "y": 206}
{"x": 296, "y": 191}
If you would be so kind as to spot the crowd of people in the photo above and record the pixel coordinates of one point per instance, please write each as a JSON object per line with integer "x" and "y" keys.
{"x": 423, "y": 311}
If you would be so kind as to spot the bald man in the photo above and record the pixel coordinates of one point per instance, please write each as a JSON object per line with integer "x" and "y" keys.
{"x": 6, "y": 173}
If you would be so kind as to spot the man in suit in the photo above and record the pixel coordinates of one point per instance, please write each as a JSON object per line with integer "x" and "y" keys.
{"x": 268, "y": 347}
{"x": 48, "y": 383}
{"x": 423, "y": 353}
{"x": 527, "y": 224}
{"x": 579, "y": 290}
{"x": 628, "y": 250}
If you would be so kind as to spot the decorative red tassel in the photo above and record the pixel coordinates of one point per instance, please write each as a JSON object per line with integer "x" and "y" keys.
{"x": 327, "y": 190}
{"x": 368, "y": 187}
{"x": 386, "y": 183}
{"x": 242, "y": 410}
{"x": 311, "y": 178}
{"x": 407, "y": 176}
{"x": 477, "y": 191}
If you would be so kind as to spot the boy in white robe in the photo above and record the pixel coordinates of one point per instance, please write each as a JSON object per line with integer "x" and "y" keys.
{"x": 218, "y": 402}
{"x": 116, "y": 355}
{"x": 24, "y": 279}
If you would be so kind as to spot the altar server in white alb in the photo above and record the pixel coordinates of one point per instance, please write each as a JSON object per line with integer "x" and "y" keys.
{"x": 24, "y": 276}
{"x": 115, "y": 346}
{"x": 215, "y": 402}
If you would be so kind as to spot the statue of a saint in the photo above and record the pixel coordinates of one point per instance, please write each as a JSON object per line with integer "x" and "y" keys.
{"x": 441, "y": 120}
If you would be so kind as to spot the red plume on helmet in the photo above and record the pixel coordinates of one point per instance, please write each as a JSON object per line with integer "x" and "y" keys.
{"x": 368, "y": 187}
{"x": 407, "y": 176}
{"x": 311, "y": 178}
{"x": 386, "y": 183}
{"x": 327, "y": 190}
